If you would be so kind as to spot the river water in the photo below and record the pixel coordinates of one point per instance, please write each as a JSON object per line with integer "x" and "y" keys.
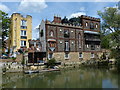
{"x": 74, "y": 78}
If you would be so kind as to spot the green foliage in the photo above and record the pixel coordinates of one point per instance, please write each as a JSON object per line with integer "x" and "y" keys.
{"x": 73, "y": 21}
{"x": 51, "y": 62}
{"x": 5, "y": 27}
{"x": 111, "y": 21}
{"x": 23, "y": 61}
{"x": 65, "y": 20}
{"x": 14, "y": 58}
{"x": 105, "y": 40}
{"x": 111, "y": 26}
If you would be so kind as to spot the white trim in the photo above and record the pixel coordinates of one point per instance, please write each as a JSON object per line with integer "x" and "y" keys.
{"x": 92, "y": 32}
{"x": 51, "y": 40}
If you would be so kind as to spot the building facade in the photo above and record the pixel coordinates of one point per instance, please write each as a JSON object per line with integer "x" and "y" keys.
{"x": 67, "y": 42}
{"x": 20, "y": 31}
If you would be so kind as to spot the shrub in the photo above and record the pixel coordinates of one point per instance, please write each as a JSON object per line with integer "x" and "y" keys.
{"x": 51, "y": 62}
{"x": 14, "y": 58}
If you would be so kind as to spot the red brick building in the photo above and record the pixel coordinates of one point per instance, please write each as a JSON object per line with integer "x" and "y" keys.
{"x": 67, "y": 42}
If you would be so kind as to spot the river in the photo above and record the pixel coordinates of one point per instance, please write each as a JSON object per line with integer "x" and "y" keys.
{"x": 74, "y": 78}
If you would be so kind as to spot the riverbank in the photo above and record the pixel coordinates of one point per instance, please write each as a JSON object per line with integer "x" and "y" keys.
{"x": 14, "y": 67}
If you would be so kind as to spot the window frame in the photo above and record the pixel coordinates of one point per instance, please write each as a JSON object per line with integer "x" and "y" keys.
{"x": 81, "y": 55}
{"x": 23, "y": 34}
{"x": 22, "y": 42}
{"x": 67, "y": 56}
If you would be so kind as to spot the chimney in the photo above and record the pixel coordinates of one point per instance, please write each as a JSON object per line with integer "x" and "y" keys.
{"x": 57, "y": 19}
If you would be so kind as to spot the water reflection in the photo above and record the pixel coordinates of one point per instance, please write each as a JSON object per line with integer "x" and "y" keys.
{"x": 76, "y": 78}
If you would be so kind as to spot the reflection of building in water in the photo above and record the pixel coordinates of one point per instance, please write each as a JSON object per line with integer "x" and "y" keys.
{"x": 82, "y": 78}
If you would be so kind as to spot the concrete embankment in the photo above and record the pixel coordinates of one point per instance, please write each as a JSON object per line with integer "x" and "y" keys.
{"x": 18, "y": 67}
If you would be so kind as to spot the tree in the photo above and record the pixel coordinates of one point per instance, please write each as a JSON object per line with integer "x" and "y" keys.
{"x": 65, "y": 20}
{"x": 111, "y": 24}
{"x": 5, "y": 27}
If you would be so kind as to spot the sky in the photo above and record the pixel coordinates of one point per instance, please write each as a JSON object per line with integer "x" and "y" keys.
{"x": 47, "y": 9}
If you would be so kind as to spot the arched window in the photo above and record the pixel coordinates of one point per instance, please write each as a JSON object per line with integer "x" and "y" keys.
{"x": 51, "y": 33}
{"x": 79, "y": 40}
{"x": 96, "y": 26}
{"x": 86, "y": 24}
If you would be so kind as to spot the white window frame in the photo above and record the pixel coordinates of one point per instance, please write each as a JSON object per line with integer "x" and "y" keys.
{"x": 66, "y": 46}
{"x": 87, "y": 45}
{"x": 23, "y": 22}
{"x": 79, "y": 40}
{"x": 60, "y": 30}
{"x": 22, "y": 33}
{"x": 66, "y": 57}
{"x": 51, "y": 33}
{"x": 96, "y": 26}
{"x": 22, "y": 43}
{"x": 86, "y": 24}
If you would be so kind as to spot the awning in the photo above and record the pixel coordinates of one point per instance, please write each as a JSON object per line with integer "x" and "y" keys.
{"x": 52, "y": 40}
{"x": 91, "y": 32}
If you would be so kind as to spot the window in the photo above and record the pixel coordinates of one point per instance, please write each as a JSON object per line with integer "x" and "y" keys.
{"x": 66, "y": 46}
{"x": 79, "y": 42}
{"x": 87, "y": 46}
{"x": 50, "y": 55}
{"x": 66, "y": 33}
{"x": 23, "y": 23}
{"x": 60, "y": 30}
{"x": 96, "y": 26}
{"x": 91, "y": 25}
{"x": 92, "y": 55}
{"x": 80, "y": 55}
{"x": 86, "y": 24}
{"x": 23, "y": 33}
{"x": 98, "y": 46}
{"x": 66, "y": 56}
{"x": 92, "y": 47}
{"x": 23, "y": 43}
{"x": 51, "y": 33}
{"x": 41, "y": 33}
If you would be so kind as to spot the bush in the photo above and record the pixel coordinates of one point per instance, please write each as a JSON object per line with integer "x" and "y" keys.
{"x": 14, "y": 58}
{"x": 51, "y": 62}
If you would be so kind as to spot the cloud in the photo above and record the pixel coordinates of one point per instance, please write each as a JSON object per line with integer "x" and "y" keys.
{"x": 32, "y": 6}
{"x": 79, "y": 13}
{"x": 4, "y": 8}
{"x": 76, "y": 14}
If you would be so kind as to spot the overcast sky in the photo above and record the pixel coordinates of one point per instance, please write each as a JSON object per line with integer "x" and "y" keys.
{"x": 46, "y": 10}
